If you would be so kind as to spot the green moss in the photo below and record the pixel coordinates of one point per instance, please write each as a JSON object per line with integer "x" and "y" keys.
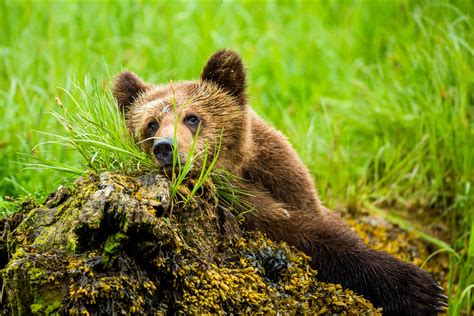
{"x": 49, "y": 306}
{"x": 36, "y": 308}
{"x": 113, "y": 244}
{"x": 35, "y": 273}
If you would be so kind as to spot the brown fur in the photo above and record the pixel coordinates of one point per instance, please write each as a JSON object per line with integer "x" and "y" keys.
{"x": 282, "y": 191}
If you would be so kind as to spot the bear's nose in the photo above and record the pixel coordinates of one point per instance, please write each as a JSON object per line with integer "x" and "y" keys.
{"x": 163, "y": 151}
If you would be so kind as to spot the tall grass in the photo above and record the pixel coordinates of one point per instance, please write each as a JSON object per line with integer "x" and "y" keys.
{"x": 93, "y": 127}
{"x": 377, "y": 97}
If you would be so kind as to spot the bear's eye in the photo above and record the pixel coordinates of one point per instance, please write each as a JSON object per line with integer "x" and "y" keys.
{"x": 192, "y": 120}
{"x": 152, "y": 127}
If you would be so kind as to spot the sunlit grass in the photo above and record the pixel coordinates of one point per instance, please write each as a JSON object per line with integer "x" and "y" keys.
{"x": 377, "y": 97}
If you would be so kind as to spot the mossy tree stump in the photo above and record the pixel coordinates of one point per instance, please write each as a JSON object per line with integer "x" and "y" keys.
{"x": 113, "y": 244}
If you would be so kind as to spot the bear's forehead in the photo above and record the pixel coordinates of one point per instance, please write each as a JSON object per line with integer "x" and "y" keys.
{"x": 165, "y": 98}
{"x": 167, "y": 94}
{"x": 198, "y": 97}
{"x": 159, "y": 104}
{"x": 173, "y": 95}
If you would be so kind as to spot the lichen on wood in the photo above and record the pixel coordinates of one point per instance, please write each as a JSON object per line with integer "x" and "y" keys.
{"x": 116, "y": 244}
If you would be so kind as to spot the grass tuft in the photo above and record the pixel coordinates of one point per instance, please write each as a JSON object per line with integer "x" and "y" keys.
{"x": 93, "y": 127}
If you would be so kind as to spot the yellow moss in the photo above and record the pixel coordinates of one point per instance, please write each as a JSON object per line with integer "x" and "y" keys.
{"x": 238, "y": 285}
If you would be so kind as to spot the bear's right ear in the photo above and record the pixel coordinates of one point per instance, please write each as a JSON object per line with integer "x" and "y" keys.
{"x": 127, "y": 87}
{"x": 226, "y": 70}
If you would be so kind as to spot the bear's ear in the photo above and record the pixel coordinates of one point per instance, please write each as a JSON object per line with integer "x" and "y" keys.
{"x": 225, "y": 68}
{"x": 127, "y": 87}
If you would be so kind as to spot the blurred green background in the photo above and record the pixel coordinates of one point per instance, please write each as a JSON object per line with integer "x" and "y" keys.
{"x": 376, "y": 96}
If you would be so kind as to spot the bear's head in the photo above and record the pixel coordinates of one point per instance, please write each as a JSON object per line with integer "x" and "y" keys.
{"x": 205, "y": 113}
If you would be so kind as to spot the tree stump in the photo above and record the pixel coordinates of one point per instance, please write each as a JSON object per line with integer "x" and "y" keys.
{"x": 113, "y": 244}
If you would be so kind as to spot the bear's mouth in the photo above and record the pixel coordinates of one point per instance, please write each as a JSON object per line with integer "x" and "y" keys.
{"x": 168, "y": 169}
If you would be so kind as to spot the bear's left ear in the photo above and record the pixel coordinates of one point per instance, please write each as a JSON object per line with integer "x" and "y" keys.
{"x": 225, "y": 69}
{"x": 127, "y": 88}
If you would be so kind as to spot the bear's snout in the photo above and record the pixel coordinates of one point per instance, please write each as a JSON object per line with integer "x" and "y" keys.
{"x": 163, "y": 151}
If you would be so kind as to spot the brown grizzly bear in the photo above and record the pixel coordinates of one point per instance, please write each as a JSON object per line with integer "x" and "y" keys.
{"x": 282, "y": 191}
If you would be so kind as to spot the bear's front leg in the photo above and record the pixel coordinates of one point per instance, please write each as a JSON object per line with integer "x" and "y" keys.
{"x": 340, "y": 256}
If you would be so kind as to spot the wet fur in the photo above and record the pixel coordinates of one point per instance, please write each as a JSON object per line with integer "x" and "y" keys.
{"x": 282, "y": 190}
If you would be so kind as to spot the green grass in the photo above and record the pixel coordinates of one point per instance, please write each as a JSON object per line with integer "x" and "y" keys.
{"x": 92, "y": 127}
{"x": 377, "y": 97}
